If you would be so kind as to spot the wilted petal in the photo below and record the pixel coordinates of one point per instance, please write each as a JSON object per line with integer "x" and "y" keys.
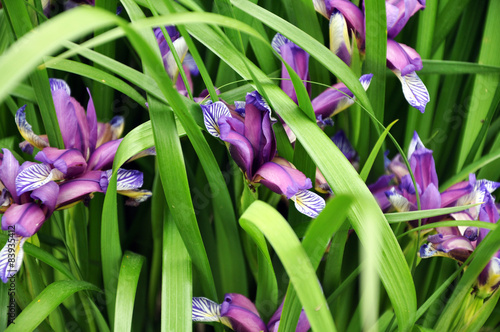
{"x": 282, "y": 177}
{"x": 103, "y": 156}
{"x": 25, "y": 218}
{"x": 27, "y": 132}
{"x": 70, "y": 162}
{"x": 205, "y": 310}
{"x": 339, "y": 37}
{"x": 74, "y": 190}
{"x": 308, "y": 203}
{"x": 9, "y": 265}
{"x": 35, "y": 176}
{"x": 211, "y": 115}
{"x": 8, "y": 172}
{"x": 414, "y": 90}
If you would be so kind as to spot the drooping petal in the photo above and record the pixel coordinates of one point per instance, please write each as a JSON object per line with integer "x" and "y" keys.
{"x": 240, "y": 314}
{"x": 103, "y": 156}
{"x": 205, "y": 310}
{"x": 47, "y": 195}
{"x": 35, "y": 176}
{"x": 69, "y": 162}
{"x": 27, "y": 132}
{"x": 308, "y": 203}
{"x": 282, "y": 177}
{"x": 414, "y": 90}
{"x": 340, "y": 44}
{"x": 8, "y": 172}
{"x": 402, "y": 58}
{"x": 25, "y": 218}
{"x": 127, "y": 179}
{"x": 211, "y": 115}
{"x": 74, "y": 190}
{"x": 9, "y": 265}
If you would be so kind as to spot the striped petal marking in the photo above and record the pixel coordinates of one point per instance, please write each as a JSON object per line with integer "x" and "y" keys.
{"x": 211, "y": 115}
{"x": 128, "y": 179}
{"x": 27, "y": 132}
{"x": 36, "y": 176}
{"x": 278, "y": 41}
{"x": 308, "y": 203}
{"x": 414, "y": 90}
{"x": 11, "y": 257}
{"x": 205, "y": 310}
{"x": 400, "y": 203}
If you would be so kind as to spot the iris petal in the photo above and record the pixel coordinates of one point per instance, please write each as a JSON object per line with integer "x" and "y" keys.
{"x": 25, "y": 218}
{"x": 8, "y": 172}
{"x": 168, "y": 60}
{"x": 34, "y": 177}
{"x": 339, "y": 37}
{"x": 308, "y": 203}
{"x": 205, "y": 310}
{"x": 211, "y": 115}
{"x": 414, "y": 90}
{"x": 27, "y": 132}
{"x": 400, "y": 203}
{"x": 9, "y": 268}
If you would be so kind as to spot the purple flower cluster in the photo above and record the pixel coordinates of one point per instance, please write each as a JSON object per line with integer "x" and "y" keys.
{"x": 239, "y": 314}
{"x": 32, "y": 191}
{"x": 247, "y": 130}
{"x": 347, "y": 21}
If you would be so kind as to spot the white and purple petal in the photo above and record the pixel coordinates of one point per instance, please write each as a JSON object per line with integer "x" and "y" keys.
{"x": 26, "y": 130}
{"x": 398, "y": 201}
{"x": 127, "y": 179}
{"x": 211, "y": 115}
{"x": 340, "y": 43}
{"x": 35, "y": 176}
{"x": 308, "y": 203}
{"x": 278, "y": 41}
{"x": 58, "y": 84}
{"x": 9, "y": 265}
{"x": 414, "y": 90}
{"x": 205, "y": 310}
{"x": 47, "y": 195}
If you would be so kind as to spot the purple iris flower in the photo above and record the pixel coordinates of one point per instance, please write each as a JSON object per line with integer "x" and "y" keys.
{"x": 459, "y": 242}
{"x": 403, "y": 196}
{"x": 252, "y": 145}
{"x": 346, "y": 19}
{"x": 32, "y": 191}
{"x": 330, "y": 102}
{"x": 239, "y": 314}
{"x": 188, "y": 63}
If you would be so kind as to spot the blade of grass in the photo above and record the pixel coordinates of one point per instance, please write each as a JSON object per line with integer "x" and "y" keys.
{"x": 176, "y": 293}
{"x": 414, "y": 215}
{"x": 288, "y": 248}
{"x": 128, "y": 279}
{"x": 46, "y": 302}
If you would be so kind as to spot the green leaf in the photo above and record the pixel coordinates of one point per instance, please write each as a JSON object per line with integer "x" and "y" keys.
{"x": 292, "y": 255}
{"x": 371, "y": 158}
{"x": 46, "y": 302}
{"x": 396, "y": 217}
{"x": 125, "y": 294}
{"x": 445, "y": 67}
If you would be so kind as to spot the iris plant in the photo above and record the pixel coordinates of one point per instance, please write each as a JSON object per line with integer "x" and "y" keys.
{"x": 247, "y": 130}
{"x": 32, "y": 191}
{"x": 331, "y": 101}
{"x": 347, "y": 22}
{"x": 403, "y": 196}
{"x": 239, "y": 314}
{"x": 459, "y": 242}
